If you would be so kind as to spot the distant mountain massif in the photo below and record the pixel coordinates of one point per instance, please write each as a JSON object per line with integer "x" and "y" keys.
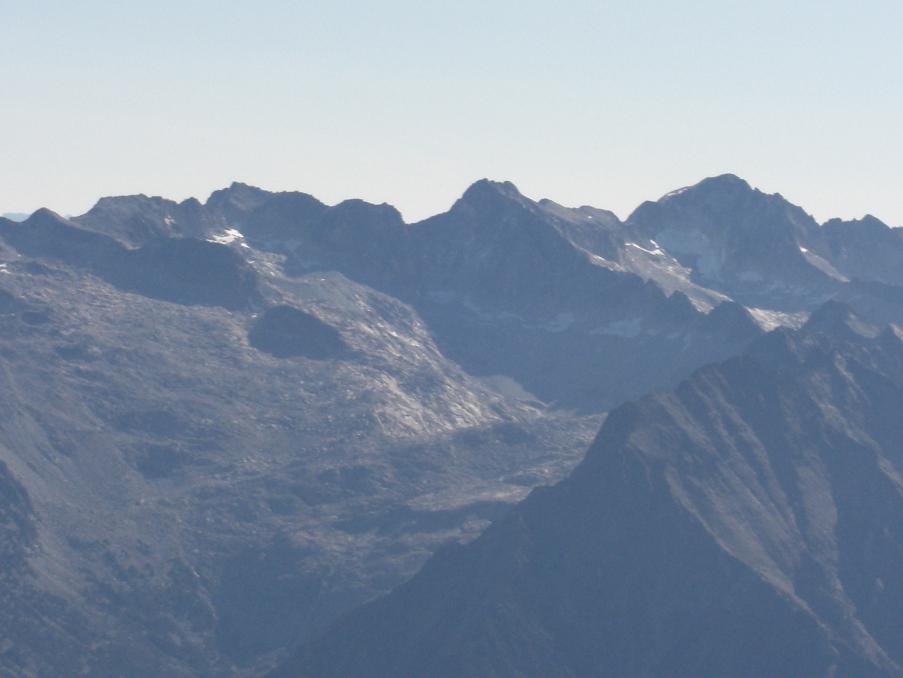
{"x": 15, "y": 216}
{"x": 262, "y": 433}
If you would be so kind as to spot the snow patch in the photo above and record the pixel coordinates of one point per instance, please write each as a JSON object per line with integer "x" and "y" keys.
{"x": 823, "y": 265}
{"x": 596, "y": 260}
{"x": 658, "y": 251}
{"x": 228, "y": 236}
{"x": 676, "y": 193}
{"x": 769, "y": 319}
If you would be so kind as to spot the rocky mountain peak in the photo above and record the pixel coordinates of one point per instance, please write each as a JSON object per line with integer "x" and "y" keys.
{"x": 239, "y": 196}
{"x": 837, "y": 318}
{"x": 353, "y": 209}
{"x": 488, "y": 197}
{"x": 43, "y": 217}
{"x": 737, "y": 239}
{"x": 868, "y": 223}
{"x": 721, "y": 185}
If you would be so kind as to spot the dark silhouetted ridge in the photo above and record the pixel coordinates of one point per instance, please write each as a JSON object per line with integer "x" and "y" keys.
{"x": 837, "y": 318}
{"x": 189, "y": 271}
{"x": 285, "y": 332}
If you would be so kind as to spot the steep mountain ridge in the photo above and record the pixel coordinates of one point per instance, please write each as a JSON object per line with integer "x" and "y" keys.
{"x": 865, "y": 249}
{"x": 136, "y": 219}
{"x": 749, "y": 245}
{"x": 184, "y": 270}
{"x": 744, "y": 524}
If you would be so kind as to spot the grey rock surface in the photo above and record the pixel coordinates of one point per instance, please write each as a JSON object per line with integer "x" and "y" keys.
{"x": 745, "y": 524}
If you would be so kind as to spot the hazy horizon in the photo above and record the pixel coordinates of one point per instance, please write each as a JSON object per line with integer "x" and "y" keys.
{"x": 606, "y": 104}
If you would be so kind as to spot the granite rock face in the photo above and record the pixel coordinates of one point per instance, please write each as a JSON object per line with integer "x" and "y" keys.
{"x": 744, "y": 524}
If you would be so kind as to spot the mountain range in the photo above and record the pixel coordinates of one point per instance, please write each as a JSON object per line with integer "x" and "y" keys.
{"x": 231, "y": 423}
{"x": 744, "y": 524}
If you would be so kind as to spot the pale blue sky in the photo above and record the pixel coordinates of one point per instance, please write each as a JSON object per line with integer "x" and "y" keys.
{"x": 603, "y": 103}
